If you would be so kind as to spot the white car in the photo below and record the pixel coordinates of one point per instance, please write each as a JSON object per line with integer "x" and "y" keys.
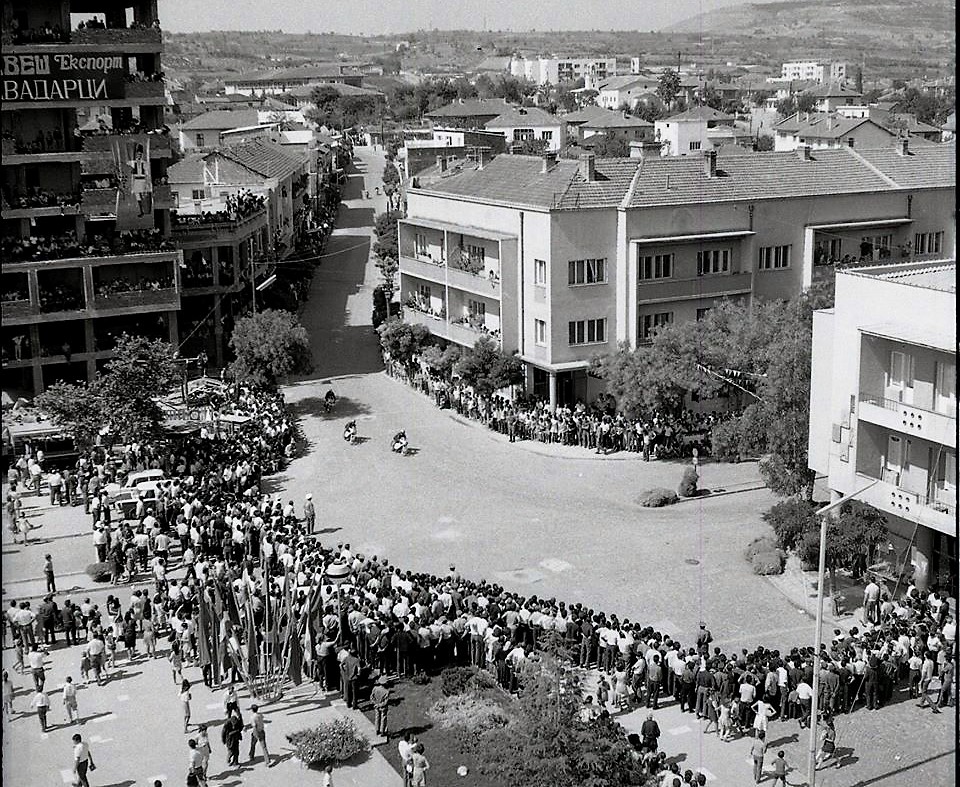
{"x": 145, "y": 485}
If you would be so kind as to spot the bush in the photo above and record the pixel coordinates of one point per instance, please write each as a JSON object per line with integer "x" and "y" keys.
{"x": 379, "y": 307}
{"x": 790, "y": 519}
{"x": 688, "y": 482}
{"x": 758, "y": 545}
{"x": 770, "y": 562}
{"x": 468, "y": 712}
{"x": 808, "y": 550}
{"x": 328, "y": 743}
{"x": 455, "y": 680}
{"x": 657, "y": 498}
{"x": 99, "y": 572}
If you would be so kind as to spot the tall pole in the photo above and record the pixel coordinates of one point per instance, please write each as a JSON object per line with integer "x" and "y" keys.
{"x": 253, "y": 284}
{"x": 814, "y": 703}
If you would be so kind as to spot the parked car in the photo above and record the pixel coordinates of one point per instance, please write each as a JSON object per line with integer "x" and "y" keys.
{"x": 144, "y": 485}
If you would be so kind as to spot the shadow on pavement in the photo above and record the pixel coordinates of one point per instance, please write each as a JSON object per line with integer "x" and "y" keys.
{"x": 349, "y": 218}
{"x": 124, "y": 783}
{"x": 313, "y": 405}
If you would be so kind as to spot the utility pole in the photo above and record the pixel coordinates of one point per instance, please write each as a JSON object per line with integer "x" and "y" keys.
{"x": 253, "y": 283}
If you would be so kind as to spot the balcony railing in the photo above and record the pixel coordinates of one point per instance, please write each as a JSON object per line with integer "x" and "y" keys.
{"x": 18, "y": 309}
{"x": 911, "y": 419}
{"x": 117, "y": 36}
{"x": 143, "y": 90}
{"x": 694, "y": 287}
{"x": 897, "y": 406}
{"x": 455, "y": 332}
{"x": 124, "y": 300}
{"x": 451, "y": 276}
{"x": 160, "y": 145}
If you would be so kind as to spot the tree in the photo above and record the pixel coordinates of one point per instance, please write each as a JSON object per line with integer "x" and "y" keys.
{"x": 759, "y": 97}
{"x": 786, "y": 106}
{"x": 649, "y": 111}
{"x": 442, "y": 360}
{"x": 487, "y": 368}
{"x": 531, "y": 147}
{"x": 403, "y": 341}
{"x": 668, "y": 87}
{"x": 77, "y": 408}
{"x": 607, "y": 147}
{"x": 269, "y": 345}
{"x": 806, "y": 103}
{"x": 764, "y": 143}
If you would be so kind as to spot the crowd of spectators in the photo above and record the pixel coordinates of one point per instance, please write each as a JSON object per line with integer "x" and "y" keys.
{"x": 37, "y": 197}
{"x": 140, "y": 76}
{"x": 12, "y": 294}
{"x": 45, "y": 34}
{"x": 245, "y": 546}
{"x": 65, "y": 245}
{"x": 597, "y": 426}
{"x": 61, "y": 297}
{"x": 123, "y": 284}
{"x": 238, "y": 207}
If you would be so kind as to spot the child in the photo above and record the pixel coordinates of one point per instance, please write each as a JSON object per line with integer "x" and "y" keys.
{"x": 603, "y": 693}
{"x": 735, "y": 716}
{"x": 7, "y": 694}
{"x": 70, "y": 701}
{"x": 780, "y": 771}
{"x": 176, "y": 663}
{"x": 85, "y": 666}
{"x": 111, "y": 646}
{"x": 723, "y": 723}
{"x": 185, "y": 698}
{"x": 327, "y": 777}
{"x": 203, "y": 746}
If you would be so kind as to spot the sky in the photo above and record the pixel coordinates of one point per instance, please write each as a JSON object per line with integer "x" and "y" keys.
{"x": 373, "y": 17}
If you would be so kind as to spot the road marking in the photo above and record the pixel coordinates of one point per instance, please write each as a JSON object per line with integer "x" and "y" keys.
{"x": 67, "y": 775}
{"x": 102, "y": 719}
{"x": 555, "y": 564}
{"x": 681, "y": 730}
{"x": 213, "y": 705}
{"x": 449, "y": 534}
{"x": 123, "y": 697}
{"x": 100, "y": 739}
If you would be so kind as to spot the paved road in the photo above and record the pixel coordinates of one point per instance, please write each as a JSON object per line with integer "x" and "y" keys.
{"x": 556, "y": 523}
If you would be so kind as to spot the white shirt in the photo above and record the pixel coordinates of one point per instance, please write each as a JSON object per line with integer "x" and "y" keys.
{"x": 81, "y": 752}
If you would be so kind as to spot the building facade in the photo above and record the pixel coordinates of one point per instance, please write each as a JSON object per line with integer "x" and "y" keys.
{"x": 883, "y": 407}
{"x": 87, "y": 255}
{"x": 562, "y": 260}
{"x": 554, "y": 70}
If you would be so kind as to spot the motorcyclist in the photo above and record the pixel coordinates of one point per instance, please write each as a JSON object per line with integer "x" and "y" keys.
{"x": 399, "y": 443}
{"x": 350, "y": 432}
{"x": 329, "y": 400}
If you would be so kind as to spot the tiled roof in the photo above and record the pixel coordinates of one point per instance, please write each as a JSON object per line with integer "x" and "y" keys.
{"x": 700, "y": 113}
{"x": 911, "y": 124}
{"x": 835, "y": 127}
{"x": 617, "y": 120}
{"x": 262, "y": 157}
{"x": 471, "y": 108}
{"x": 222, "y": 119}
{"x": 304, "y": 91}
{"x": 834, "y": 90}
{"x": 319, "y": 71}
{"x": 519, "y": 180}
{"x": 189, "y": 169}
{"x": 933, "y": 277}
{"x": 923, "y": 166}
{"x": 625, "y": 81}
{"x": 523, "y": 116}
{"x": 590, "y": 112}
{"x": 752, "y": 176}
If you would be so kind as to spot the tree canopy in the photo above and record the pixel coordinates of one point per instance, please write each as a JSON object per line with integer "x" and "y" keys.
{"x": 668, "y": 87}
{"x": 269, "y": 345}
{"x": 334, "y": 110}
{"x": 402, "y": 340}
{"x": 488, "y": 368}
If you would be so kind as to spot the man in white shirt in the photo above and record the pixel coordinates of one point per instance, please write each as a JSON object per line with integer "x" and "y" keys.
{"x": 82, "y": 760}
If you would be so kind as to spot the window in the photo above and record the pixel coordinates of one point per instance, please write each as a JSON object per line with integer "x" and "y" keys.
{"x": 587, "y": 331}
{"x": 420, "y": 244}
{"x": 774, "y": 257}
{"x": 540, "y": 332}
{"x": 701, "y": 313}
{"x": 423, "y": 290}
{"x": 695, "y": 145}
{"x": 713, "y": 261}
{"x": 476, "y": 308}
{"x": 928, "y": 243}
{"x": 945, "y": 388}
{"x": 199, "y": 140}
{"x": 592, "y": 271}
{"x": 539, "y": 271}
{"x": 198, "y": 193}
{"x": 475, "y": 254}
{"x": 546, "y": 136}
{"x": 522, "y": 134}
{"x": 651, "y": 322}
{"x": 828, "y": 250}
{"x": 849, "y": 142}
{"x": 900, "y": 373}
{"x": 656, "y": 266}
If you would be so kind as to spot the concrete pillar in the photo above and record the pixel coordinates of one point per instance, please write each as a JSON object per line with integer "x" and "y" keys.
{"x": 921, "y": 557}
{"x": 218, "y": 330}
{"x": 172, "y": 325}
{"x": 553, "y": 391}
{"x": 34, "y": 337}
{"x": 33, "y": 288}
{"x": 215, "y": 262}
{"x": 527, "y": 377}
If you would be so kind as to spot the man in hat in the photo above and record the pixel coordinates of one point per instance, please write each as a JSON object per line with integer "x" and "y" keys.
{"x": 704, "y": 638}
{"x": 380, "y": 697}
{"x": 309, "y": 514}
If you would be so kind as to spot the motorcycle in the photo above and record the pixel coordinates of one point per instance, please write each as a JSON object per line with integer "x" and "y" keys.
{"x": 399, "y": 444}
{"x": 350, "y": 432}
{"x": 329, "y": 401}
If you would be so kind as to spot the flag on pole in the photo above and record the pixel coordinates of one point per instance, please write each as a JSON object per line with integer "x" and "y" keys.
{"x": 203, "y": 631}
{"x": 253, "y": 668}
{"x": 295, "y": 656}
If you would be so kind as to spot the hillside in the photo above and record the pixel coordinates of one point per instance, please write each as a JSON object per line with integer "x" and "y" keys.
{"x": 926, "y": 24}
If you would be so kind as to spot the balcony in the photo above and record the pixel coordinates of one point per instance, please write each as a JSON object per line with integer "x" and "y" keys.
{"x": 697, "y": 287}
{"x": 99, "y": 202}
{"x": 18, "y": 310}
{"x": 908, "y": 419}
{"x": 183, "y": 230}
{"x": 933, "y": 511}
{"x": 157, "y": 300}
{"x": 160, "y": 145}
{"x": 455, "y": 332}
{"x": 452, "y": 277}
{"x": 140, "y": 90}
{"x": 119, "y": 38}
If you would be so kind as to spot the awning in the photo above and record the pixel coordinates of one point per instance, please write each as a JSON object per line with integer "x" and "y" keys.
{"x": 701, "y": 236}
{"x": 843, "y": 225}
{"x": 459, "y": 229}
{"x": 932, "y": 338}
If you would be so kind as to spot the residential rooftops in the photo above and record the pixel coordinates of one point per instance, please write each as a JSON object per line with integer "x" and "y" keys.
{"x": 474, "y": 107}
{"x": 222, "y": 119}
{"x": 699, "y": 114}
{"x": 616, "y": 120}
{"x": 931, "y": 274}
{"x": 523, "y": 116}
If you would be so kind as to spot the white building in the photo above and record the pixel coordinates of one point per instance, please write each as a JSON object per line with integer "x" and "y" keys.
{"x": 522, "y": 124}
{"x": 883, "y": 406}
{"x": 817, "y": 71}
{"x": 554, "y": 70}
{"x": 689, "y": 132}
{"x": 615, "y": 92}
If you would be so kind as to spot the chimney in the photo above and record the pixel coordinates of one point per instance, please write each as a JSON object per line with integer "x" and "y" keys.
{"x": 829, "y": 122}
{"x": 903, "y": 146}
{"x": 803, "y": 153}
{"x": 668, "y": 183}
{"x": 588, "y": 163}
{"x": 549, "y": 159}
{"x": 442, "y": 163}
{"x": 480, "y": 158}
{"x": 710, "y": 163}
{"x": 636, "y": 150}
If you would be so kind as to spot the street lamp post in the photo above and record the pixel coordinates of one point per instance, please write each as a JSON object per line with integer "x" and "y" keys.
{"x": 814, "y": 702}
{"x": 337, "y": 573}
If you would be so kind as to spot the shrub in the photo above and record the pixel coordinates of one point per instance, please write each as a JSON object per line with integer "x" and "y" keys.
{"x": 420, "y": 678}
{"x": 99, "y": 572}
{"x": 758, "y": 545}
{"x": 771, "y": 562}
{"x": 380, "y": 309}
{"x": 454, "y": 680}
{"x": 328, "y": 743}
{"x": 658, "y": 497}
{"x": 688, "y": 483}
{"x": 789, "y": 520}
{"x": 808, "y": 550}
{"x": 469, "y": 712}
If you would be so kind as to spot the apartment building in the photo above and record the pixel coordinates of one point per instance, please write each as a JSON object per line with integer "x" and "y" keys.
{"x": 830, "y": 130}
{"x": 554, "y": 70}
{"x": 883, "y": 407}
{"x": 817, "y": 71}
{"x": 689, "y": 132}
{"x": 281, "y": 80}
{"x": 86, "y": 217}
{"x": 561, "y": 260}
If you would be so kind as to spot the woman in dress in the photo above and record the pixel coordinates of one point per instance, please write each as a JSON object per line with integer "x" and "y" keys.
{"x": 185, "y": 698}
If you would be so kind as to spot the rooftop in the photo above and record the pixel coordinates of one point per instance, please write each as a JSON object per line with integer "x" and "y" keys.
{"x": 613, "y": 119}
{"x": 699, "y": 113}
{"x": 626, "y": 81}
{"x": 523, "y": 116}
{"x": 932, "y": 275}
{"x": 222, "y": 119}
{"x": 834, "y": 90}
{"x": 589, "y": 112}
{"x": 263, "y": 157}
{"x": 474, "y": 107}
{"x": 318, "y": 71}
